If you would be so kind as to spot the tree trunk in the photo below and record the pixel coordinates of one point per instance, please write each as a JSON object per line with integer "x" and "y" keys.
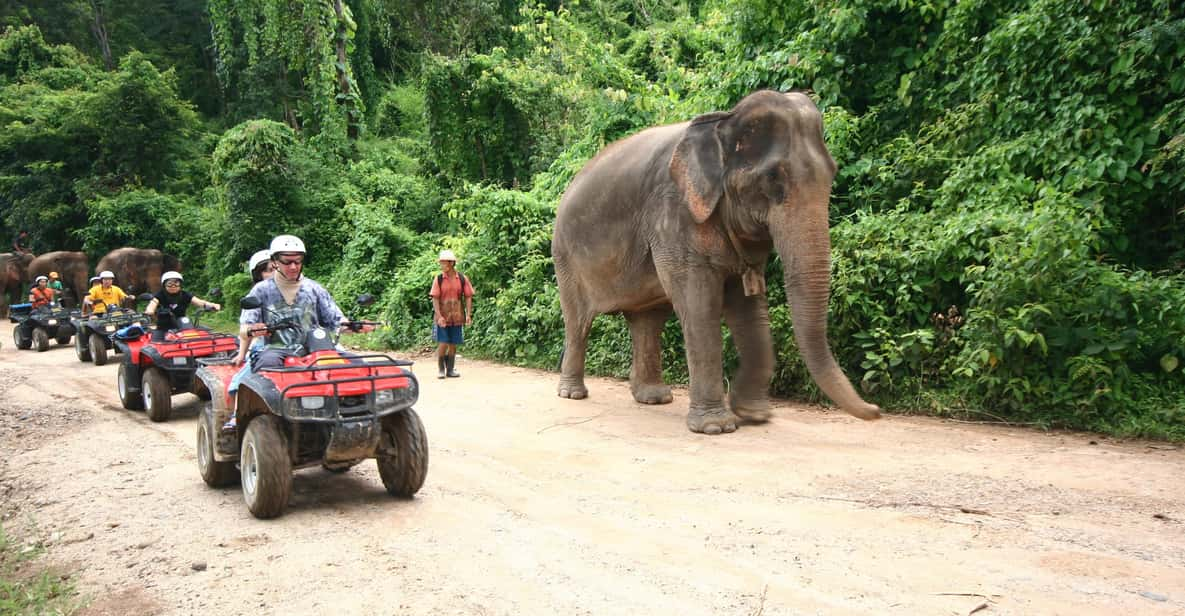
{"x": 343, "y": 77}
{"x": 99, "y": 29}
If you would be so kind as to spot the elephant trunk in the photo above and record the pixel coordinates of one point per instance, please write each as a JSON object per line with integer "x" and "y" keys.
{"x": 804, "y": 243}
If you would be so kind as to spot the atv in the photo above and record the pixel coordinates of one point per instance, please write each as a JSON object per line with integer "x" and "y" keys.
{"x": 153, "y": 370}
{"x": 325, "y": 408}
{"x": 94, "y": 332}
{"x": 34, "y": 327}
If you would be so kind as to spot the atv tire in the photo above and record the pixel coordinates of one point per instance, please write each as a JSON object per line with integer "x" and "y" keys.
{"x": 129, "y": 400}
{"x": 80, "y": 348}
{"x": 216, "y": 474}
{"x": 20, "y": 341}
{"x": 402, "y": 455}
{"x": 40, "y": 340}
{"x": 98, "y": 349}
{"x": 265, "y": 469}
{"x": 156, "y": 394}
{"x": 63, "y": 339}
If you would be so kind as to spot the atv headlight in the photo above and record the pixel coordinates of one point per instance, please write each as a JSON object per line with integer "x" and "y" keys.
{"x": 312, "y": 403}
{"x": 52, "y": 322}
{"x": 180, "y": 361}
{"x": 384, "y": 397}
{"x": 109, "y": 328}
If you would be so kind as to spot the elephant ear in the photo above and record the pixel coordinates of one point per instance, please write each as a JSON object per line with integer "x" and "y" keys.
{"x": 697, "y": 165}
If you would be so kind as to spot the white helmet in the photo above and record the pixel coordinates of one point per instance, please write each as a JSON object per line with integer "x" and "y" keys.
{"x": 287, "y": 243}
{"x": 106, "y": 274}
{"x": 170, "y": 276}
{"x": 447, "y": 255}
{"x": 40, "y": 278}
{"x": 257, "y": 258}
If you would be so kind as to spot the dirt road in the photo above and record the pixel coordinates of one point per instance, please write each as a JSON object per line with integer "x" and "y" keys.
{"x": 539, "y": 505}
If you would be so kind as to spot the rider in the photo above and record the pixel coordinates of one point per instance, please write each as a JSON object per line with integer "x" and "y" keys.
{"x": 175, "y": 301}
{"x": 259, "y": 266}
{"x": 291, "y": 298}
{"x": 105, "y": 295}
{"x": 41, "y": 295}
{"x": 55, "y": 283}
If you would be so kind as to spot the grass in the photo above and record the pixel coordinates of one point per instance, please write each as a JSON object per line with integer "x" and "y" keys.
{"x": 28, "y": 589}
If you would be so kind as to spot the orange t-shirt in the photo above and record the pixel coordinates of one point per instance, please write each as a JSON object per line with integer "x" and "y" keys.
{"x": 449, "y": 290}
{"x": 41, "y": 297}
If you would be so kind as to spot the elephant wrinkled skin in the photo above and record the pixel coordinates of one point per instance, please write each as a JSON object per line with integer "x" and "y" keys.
{"x": 71, "y": 266}
{"x": 14, "y": 278}
{"x": 684, "y": 217}
{"x": 138, "y": 270}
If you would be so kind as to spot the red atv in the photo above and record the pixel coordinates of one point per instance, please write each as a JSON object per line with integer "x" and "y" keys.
{"x": 152, "y": 371}
{"x": 326, "y": 408}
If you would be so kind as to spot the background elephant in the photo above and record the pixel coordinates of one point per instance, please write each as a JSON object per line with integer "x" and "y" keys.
{"x": 72, "y": 267}
{"x": 14, "y": 279}
{"x": 138, "y": 270}
{"x": 684, "y": 216}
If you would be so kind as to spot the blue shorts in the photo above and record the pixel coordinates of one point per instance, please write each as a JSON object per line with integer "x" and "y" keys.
{"x": 448, "y": 334}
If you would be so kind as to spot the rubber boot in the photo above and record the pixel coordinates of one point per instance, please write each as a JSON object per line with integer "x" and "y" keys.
{"x": 440, "y": 363}
{"x": 452, "y": 363}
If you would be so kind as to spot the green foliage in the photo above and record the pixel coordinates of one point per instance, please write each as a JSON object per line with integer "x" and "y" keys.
{"x": 258, "y": 186}
{"x": 46, "y": 592}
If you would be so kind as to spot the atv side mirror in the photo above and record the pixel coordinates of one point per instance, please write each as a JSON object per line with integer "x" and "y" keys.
{"x": 365, "y": 299}
{"x": 250, "y": 303}
{"x": 216, "y": 292}
{"x": 144, "y": 297}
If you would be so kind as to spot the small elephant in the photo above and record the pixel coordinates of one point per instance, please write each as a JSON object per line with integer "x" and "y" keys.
{"x": 684, "y": 216}
{"x": 138, "y": 270}
{"x": 14, "y": 278}
{"x": 72, "y": 267}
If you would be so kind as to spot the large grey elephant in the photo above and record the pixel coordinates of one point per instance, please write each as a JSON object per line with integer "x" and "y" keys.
{"x": 138, "y": 270}
{"x": 71, "y": 267}
{"x": 684, "y": 216}
{"x": 14, "y": 278}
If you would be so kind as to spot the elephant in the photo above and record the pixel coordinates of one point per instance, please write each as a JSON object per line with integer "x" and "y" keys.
{"x": 14, "y": 278}
{"x": 138, "y": 270}
{"x": 72, "y": 267}
{"x": 684, "y": 217}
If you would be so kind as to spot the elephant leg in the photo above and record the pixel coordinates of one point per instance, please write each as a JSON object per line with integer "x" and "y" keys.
{"x": 747, "y": 318}
{"x": 698, "y": 302}
{"x": 646, "y": 371}
{"x": 578, "y": 320}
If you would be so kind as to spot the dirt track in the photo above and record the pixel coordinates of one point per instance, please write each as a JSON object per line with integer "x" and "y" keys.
{"x": 539, "y": 505}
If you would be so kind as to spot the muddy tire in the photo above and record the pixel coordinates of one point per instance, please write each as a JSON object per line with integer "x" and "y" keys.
{"x": 20, "y": 341}
{"x": 265, "y": 469}
{"x": 156, "y": 395}
{"x": 80, "y": 348}
{"x": 403, "y": 454}
{"x": 63, "y": 339}
{"x": 40, "y": 340}
{"x": 130, "y": 401}
{"x": 98, "y": 349}
{"x": 216, "y": 474}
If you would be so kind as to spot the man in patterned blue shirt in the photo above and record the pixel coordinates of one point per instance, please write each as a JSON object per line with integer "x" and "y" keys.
{"x": 288, "y": 297}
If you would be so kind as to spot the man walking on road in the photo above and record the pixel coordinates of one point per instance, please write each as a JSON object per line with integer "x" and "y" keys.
{"x": 449, "y": 290}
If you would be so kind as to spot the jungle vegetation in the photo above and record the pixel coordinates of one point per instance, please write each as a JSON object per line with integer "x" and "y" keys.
{"x": 1008, "y": 241}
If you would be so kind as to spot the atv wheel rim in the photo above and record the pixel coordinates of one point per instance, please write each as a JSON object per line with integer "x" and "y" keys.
{"x": 250, "y": 468}
{"x": 203, "y": 452}
{"x": 121, "y": 385}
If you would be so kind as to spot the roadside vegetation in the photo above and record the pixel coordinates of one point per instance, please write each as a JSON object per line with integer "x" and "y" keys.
{"x": 28, "y": 589}
{"x": 1008, "y": 242}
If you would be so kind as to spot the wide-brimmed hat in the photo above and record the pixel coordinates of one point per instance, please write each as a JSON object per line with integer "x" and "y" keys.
{"x": 53, "y": 275}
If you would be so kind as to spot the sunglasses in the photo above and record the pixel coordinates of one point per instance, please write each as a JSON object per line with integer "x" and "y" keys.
{"x": 283, "y": 261}
{"x": 172, "y": 283}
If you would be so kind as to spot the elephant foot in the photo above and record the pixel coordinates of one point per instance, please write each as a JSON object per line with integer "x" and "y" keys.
{"x": 752, "y": 410}
{"x": 864, "y": 411}
{"x": 652, "y": 394}
{"x": 573, "y": 389}
{"x": 714, "y": 420}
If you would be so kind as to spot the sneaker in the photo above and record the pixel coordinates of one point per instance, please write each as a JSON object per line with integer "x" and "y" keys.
{"x": 231, "y": 424}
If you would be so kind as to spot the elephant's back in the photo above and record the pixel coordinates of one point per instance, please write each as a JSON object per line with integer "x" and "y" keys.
{"x": 607, "y": 198}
